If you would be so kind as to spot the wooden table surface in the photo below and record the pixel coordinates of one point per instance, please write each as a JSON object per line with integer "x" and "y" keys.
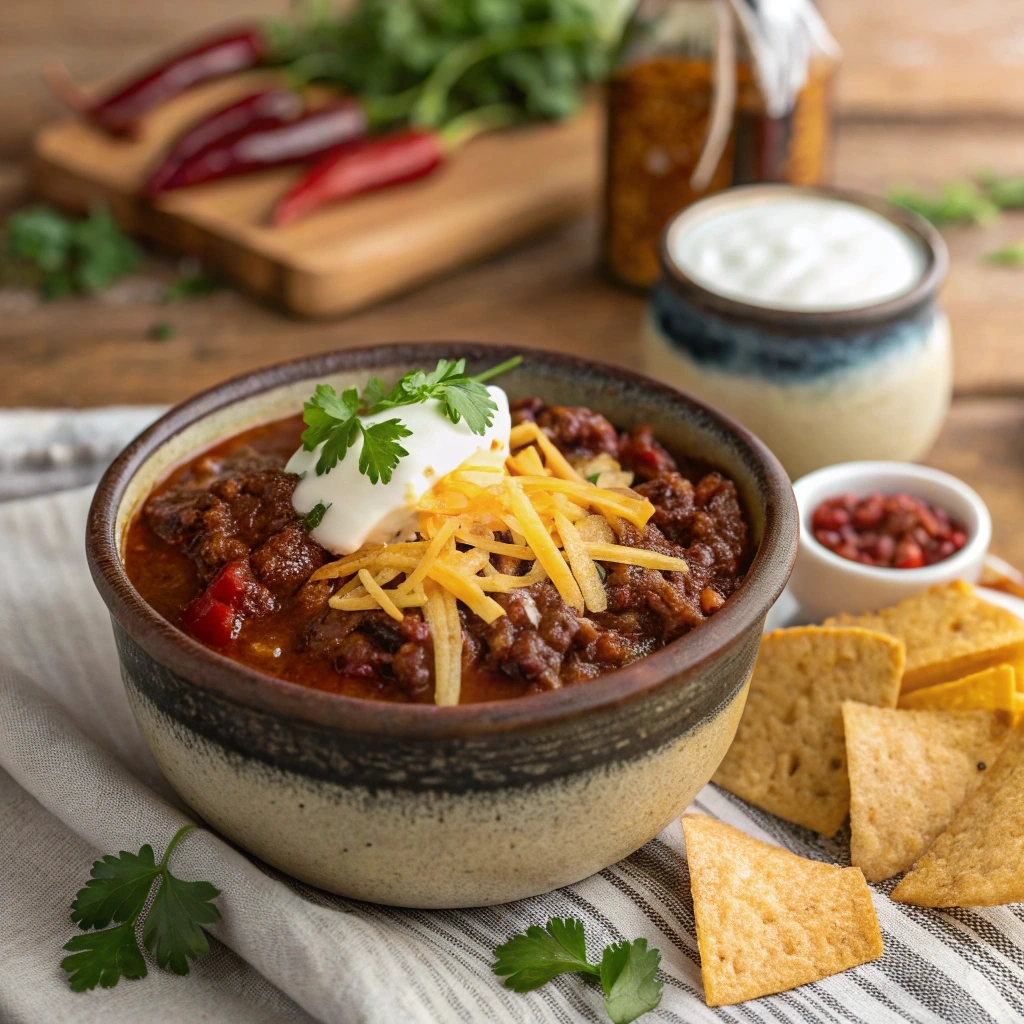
{"x": 930, "y": 90}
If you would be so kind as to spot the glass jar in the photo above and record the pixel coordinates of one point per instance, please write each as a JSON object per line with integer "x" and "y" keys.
{"x": 660, "y": 100}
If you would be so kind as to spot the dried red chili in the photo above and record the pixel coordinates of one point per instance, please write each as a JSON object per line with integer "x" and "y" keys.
{"x": 269, "y": 108}
{"x": 307, "y": 138}
{"x": 118, "y": 112}
{"x": 895, "y": 531}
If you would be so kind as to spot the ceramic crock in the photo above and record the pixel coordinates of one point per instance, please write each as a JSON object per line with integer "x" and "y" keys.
{"x": 416, "y": 805}
{"x": 817, "y": 387}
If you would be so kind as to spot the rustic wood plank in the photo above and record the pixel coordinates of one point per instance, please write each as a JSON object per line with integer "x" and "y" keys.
{"x": 983, "y": 444}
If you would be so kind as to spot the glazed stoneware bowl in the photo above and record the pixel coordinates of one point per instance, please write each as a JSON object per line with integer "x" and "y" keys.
{"x": 416, "y": 805}
{"x": 818, "y": 387}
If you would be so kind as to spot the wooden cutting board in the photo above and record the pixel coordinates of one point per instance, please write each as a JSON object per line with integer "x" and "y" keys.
{"x": 500, "y": 189}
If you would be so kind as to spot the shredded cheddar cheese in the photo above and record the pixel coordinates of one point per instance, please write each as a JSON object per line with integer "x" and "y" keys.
{"x": 558, "y": 520}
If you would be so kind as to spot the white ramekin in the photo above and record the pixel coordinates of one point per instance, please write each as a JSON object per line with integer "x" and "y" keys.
{"x": 824, "y": 583}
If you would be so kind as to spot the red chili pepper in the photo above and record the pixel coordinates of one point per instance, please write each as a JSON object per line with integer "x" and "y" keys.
{"x": 306, "y": 138}
{"x": 118, "y": 112}
{"x": 363, "y": 167}
{"x": 270, "y": 108}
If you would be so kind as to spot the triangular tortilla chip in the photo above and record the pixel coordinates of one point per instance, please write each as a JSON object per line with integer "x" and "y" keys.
{"x": 949, "y": 633}
{"x": 979, "y": 860}
{"x": 768, "y": 920}
{"x": 909, "y": 773}
{"x": 991, "y": 689}
{"x": 788, "y": 755}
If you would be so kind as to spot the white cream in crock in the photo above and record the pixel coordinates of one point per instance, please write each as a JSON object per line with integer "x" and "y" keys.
{"x": 815, "y": 391}
{"x": 801, "y": 253}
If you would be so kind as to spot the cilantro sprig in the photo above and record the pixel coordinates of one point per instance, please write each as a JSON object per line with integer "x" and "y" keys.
{"x": 626, "y": 972}
{"x": 336, "y": 421}
{"x": 117, "y": 891}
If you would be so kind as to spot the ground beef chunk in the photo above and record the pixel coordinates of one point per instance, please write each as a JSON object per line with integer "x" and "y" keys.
{"x": 641, "y": 453}
{"x": 217, "y": 519}
{"x": 578, "y": 432}
{"x": 287, "y": 560}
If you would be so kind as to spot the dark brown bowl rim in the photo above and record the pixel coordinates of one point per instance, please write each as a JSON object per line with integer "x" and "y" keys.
{"x": 850, "y": 319}
{"x": 246, "y": 686}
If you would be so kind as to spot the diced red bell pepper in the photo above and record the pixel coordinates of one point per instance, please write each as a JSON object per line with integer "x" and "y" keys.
{"x": 230, "y": 585}
{"x": 211, "y": 621}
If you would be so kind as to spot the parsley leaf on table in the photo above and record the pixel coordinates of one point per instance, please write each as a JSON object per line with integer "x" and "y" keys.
{"x": 191, "y": 282}
{"x": 540, "y": 954}
{"x": 628, "y": 982}
{"x": 118, "y": 891}
{"x": 626, "y": 972}
{"x": 334, "y": 420}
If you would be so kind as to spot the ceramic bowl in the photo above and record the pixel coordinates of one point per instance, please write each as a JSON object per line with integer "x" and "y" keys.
{"x": 416, "y": 805}
{"x": 824, "y": 583}
{"x": 818, "y": 387}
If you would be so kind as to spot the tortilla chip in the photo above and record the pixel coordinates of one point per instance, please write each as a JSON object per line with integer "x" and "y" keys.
{"x": 949, "y": 632}
{"x": 788, "y": 756}
{"x": 979, "y": 860}
{"x": 1018, "y": 671}
{"x": 991, "y": 689}
{"x": 909, "y": 773}
{"x": 768, "y": 920}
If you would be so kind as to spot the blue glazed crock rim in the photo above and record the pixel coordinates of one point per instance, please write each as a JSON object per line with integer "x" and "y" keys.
{"x": 922, "y": 294}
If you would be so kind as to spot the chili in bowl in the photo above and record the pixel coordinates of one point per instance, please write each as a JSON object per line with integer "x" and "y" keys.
{"x": 872, "y": 533}
{"x": 485, "y": 690}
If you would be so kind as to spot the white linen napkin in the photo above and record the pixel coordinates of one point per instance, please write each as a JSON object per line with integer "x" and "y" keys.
{"x": 76, "y": 782}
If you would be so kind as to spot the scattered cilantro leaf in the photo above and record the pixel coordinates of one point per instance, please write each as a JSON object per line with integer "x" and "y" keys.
{"x": 628, "y": 972}
{"x": 1011, "y": 255}
{"x": 958, "y": 202}
{"x": 60, "y": 255}
{"x": 162, "y": 330}
{"x": 381, "y": 450}
{"x": 540, "y": 954}
{"x": 315, "y": 516}
{"x": 191, "y": 282}
{"x": 172, "y": 931}
{"x": 1007, "y": 192}
{"x": 103, "y": 958}
{"x": 333, "y": 421}
{"x": 593, "y": 478}
{"x": 118, "y": 891}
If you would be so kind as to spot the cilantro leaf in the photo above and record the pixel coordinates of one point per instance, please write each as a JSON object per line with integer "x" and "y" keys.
{"x": 381, "y": 450}
{"x": 957, "y": 202}
{"x": 103, "y": 958}
{"x": 628, "y": 982}
{"x": 340, "y": 438}
{"x": 41, "y": 236}
{"x": 117, "y": 889}
{"x": 1011, "y": 255}
{"x": 104, "y": 253}
{"x": 191, "y": 282}
{"x": 171, "y": 932}
{"x": 535, "y": 957}
{"x": 325, "y": 412}
{"x": 466, "y": 399}
{"x": 1006, "y": 192}
{"x": 315, "y": 516}
{"x": 373, "y": 392}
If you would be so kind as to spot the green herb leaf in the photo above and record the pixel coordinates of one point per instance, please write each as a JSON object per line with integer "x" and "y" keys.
{"x": 628, "y": 972}
{"x": 540, "y": 954}
{"x": 40, "y": 236}
{"x": 162, "y": 330}
{"x": 117, "y": 889}
{"x": 315, "y": 516}
{"x": 593, "y": 478}
{"x": 468, "y": 400}
{"x": 1011, "y": 255}
{"x": 958, "y": 202}
{"x": 381, "y": 450}
{"x": 172, "y": 931}
{"x": 103, "y": 252}
{"x": 339, "y": 440}
{"x": 1006, "y": 192}
{"x": 325, "y": 412}
{"x": 192, "y": 282}
{"x": 103, "y": 958}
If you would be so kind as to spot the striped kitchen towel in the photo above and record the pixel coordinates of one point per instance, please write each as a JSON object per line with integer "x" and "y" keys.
{"x": 77, "y": 781}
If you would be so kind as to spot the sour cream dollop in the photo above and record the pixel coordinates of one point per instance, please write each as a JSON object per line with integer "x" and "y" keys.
{"x": 802, "y": 253}
{"x": 362, "y": 512}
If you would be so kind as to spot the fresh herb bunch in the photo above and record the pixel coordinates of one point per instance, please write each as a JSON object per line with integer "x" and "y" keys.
{"x": 437, "y": 60}
{"x": 118, "y": 890}
{"x": 335, "y": 421}
{"x": 626, "y": 971}
{"x": 59, "y": 255}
